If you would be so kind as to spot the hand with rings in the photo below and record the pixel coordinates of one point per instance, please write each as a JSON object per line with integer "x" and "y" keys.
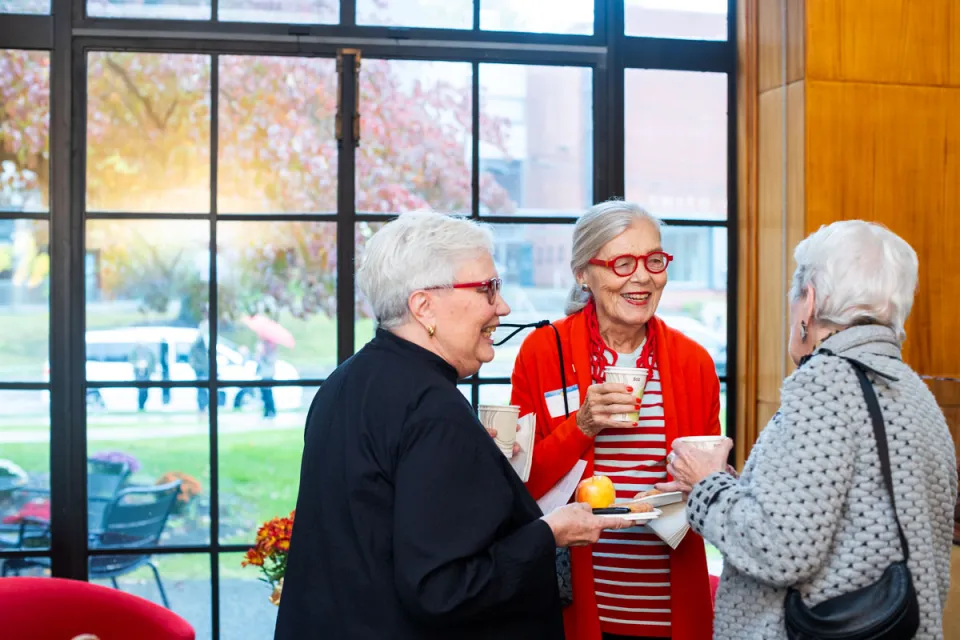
{"x": 689, "y": 465}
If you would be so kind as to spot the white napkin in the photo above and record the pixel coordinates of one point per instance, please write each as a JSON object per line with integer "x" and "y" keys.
{"x": 526, "y": 430}
{"x": 672, "y": 525}
{"x": 560, "y": 493}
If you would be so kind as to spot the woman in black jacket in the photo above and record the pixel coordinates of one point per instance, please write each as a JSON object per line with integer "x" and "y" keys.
{"x": 410, "y": 522}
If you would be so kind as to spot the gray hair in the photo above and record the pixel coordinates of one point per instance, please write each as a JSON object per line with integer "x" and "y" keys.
{"x": 599, "y": 225}
{"x": 861, "y": 273}
{"x": 416, "y": 251}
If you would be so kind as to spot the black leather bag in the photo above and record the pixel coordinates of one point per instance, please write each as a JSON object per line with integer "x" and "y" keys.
{"x": 884, "y": 610}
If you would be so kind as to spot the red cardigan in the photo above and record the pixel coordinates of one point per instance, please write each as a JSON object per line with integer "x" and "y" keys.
{"x": 691, "y": 406}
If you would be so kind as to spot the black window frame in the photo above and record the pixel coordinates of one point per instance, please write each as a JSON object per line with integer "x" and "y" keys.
{"x": 69, "y": 35}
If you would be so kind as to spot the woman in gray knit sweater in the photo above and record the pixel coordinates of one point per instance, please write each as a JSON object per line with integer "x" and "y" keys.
{"x": 810, "y": 510}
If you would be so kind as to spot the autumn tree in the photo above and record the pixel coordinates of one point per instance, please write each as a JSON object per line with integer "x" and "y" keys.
{"x": 148, "y": 150}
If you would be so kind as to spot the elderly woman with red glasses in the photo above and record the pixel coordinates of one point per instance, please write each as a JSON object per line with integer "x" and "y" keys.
{"x": 629, "y": 584}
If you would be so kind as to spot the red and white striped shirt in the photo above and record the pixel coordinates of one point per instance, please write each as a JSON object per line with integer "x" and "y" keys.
{"x": 631, "y": 567}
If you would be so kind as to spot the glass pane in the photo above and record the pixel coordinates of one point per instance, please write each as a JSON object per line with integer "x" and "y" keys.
{"x": 416, "y": 123}
{"x": 25, "y": 6}
{"x": 32, "y": 566}
{"x": 24, "y": 129}
{"x": 24, "y": 300}
{"x": 154, "y": 9}
{"x": 685, "y": 19}
{"x": 278, "y": 152}
{"x": 148, "y": 132}
{"x": 183, "y": 578}
{"x": 24, "y": 470}
{"x": 536, "y": 139}
{"x": 277, "y": 300}
{"x": 537, "y": 16}
{"x": 134, "y": 459}
{"x": 438, "y": 14}
{"x": 259, "y": 455}
{"x": 494, "y": 394}
{"x": 245, "y": 608}
{"x": 676, "y": 143}
{"x": 364, "y": 324}
{"x": 695, "y": 299}
{"x": 723, "y": 413}
{"x": 534, "y": 263}
{"x": 296, "y": 12}
{"x": 147, "y": 291}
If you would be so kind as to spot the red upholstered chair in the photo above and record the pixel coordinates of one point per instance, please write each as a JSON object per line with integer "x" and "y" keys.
{"x": 55, "y": 609}
{"x": 714, "y": 583}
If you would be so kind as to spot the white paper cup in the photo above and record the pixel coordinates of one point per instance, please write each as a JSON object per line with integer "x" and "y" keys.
{"x": 636, "y": 378}
{"x": 705, "y": 443}
{"x": 504, "y": 419}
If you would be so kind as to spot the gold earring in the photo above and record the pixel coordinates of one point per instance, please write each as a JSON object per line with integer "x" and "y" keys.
{"x": 431, "y": 331}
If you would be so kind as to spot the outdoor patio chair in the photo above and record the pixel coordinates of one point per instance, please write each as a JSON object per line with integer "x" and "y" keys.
{"x": 134, "y": 519}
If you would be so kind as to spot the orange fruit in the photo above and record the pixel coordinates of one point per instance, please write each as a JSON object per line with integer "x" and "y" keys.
{"x": 597, "y": 491}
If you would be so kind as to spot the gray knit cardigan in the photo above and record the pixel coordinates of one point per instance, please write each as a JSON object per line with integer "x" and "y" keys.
{"x": 810, "y": 510}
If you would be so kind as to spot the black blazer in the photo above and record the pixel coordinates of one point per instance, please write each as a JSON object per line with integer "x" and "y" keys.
{"x": 410, "y": 523}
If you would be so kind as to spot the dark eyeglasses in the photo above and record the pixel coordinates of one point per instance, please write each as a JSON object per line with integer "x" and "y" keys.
{"x": 490, "y": 287}
{"x": 626, "y": 265}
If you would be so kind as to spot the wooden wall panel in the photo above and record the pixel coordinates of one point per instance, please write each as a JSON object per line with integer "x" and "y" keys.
{"x": 765, "y": 411}
{"x": 795, "y": 229}
{"x": 747, "y": 180}
{"x": 883, "y": 154}
{"x": 770, "y": 252}
{"x": 947, "y": 393}
{"x": 888, "y": 41}
{"x": 796, "y": 39}
{"x": 770, "y": 20}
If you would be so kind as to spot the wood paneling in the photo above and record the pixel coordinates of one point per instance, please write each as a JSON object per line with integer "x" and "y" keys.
{"x": 951, "y": 614}
{"x": 887, "y": 41}
{"x": 794, "y": 230}
{"x": 796, "y": 39}
{"x": 770, "y": 20}
{"x": 765, "y": 411}
{"x": 947, "y": 393}
{"x": 771, "y": 245}
{"x": 889, "y": 154}
{"x": 747, "y": 266}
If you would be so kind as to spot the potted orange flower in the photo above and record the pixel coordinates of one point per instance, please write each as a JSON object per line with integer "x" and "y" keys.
{"x": 270, "y": 553}
{"x": 190, "y": 488}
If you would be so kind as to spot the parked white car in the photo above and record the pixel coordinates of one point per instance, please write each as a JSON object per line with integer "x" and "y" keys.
{"x": 108, "y": 360}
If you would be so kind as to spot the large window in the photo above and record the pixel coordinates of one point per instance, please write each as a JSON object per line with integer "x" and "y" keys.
{"x": 177, "y": 237}
{"x": 24, "y": 302}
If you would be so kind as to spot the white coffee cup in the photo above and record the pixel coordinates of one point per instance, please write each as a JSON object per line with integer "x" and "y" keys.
{"x": 504, "y": 419}
{"x": 632, "y": 377}
{"x": 706, "y": 443}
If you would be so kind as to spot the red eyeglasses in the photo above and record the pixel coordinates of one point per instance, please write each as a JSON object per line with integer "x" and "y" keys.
{"x": 490, "y": 287}
{"x": 626, "y": 265}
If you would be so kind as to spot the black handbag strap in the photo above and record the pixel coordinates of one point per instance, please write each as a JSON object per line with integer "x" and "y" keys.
{"x": 539, "y": 324}
{"x": 880, "y": 434}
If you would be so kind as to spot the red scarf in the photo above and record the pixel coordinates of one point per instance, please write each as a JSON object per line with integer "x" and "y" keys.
{"x": 599, "y": 349}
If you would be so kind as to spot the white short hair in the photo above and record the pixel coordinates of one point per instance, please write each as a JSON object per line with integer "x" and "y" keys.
{"x": 416, "y": 251}
{"x": 599, "y": 225}
{"x": 861, "y": 273}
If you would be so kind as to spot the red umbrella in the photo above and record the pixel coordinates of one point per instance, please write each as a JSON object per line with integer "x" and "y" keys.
{"x": 269, "y": 330}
